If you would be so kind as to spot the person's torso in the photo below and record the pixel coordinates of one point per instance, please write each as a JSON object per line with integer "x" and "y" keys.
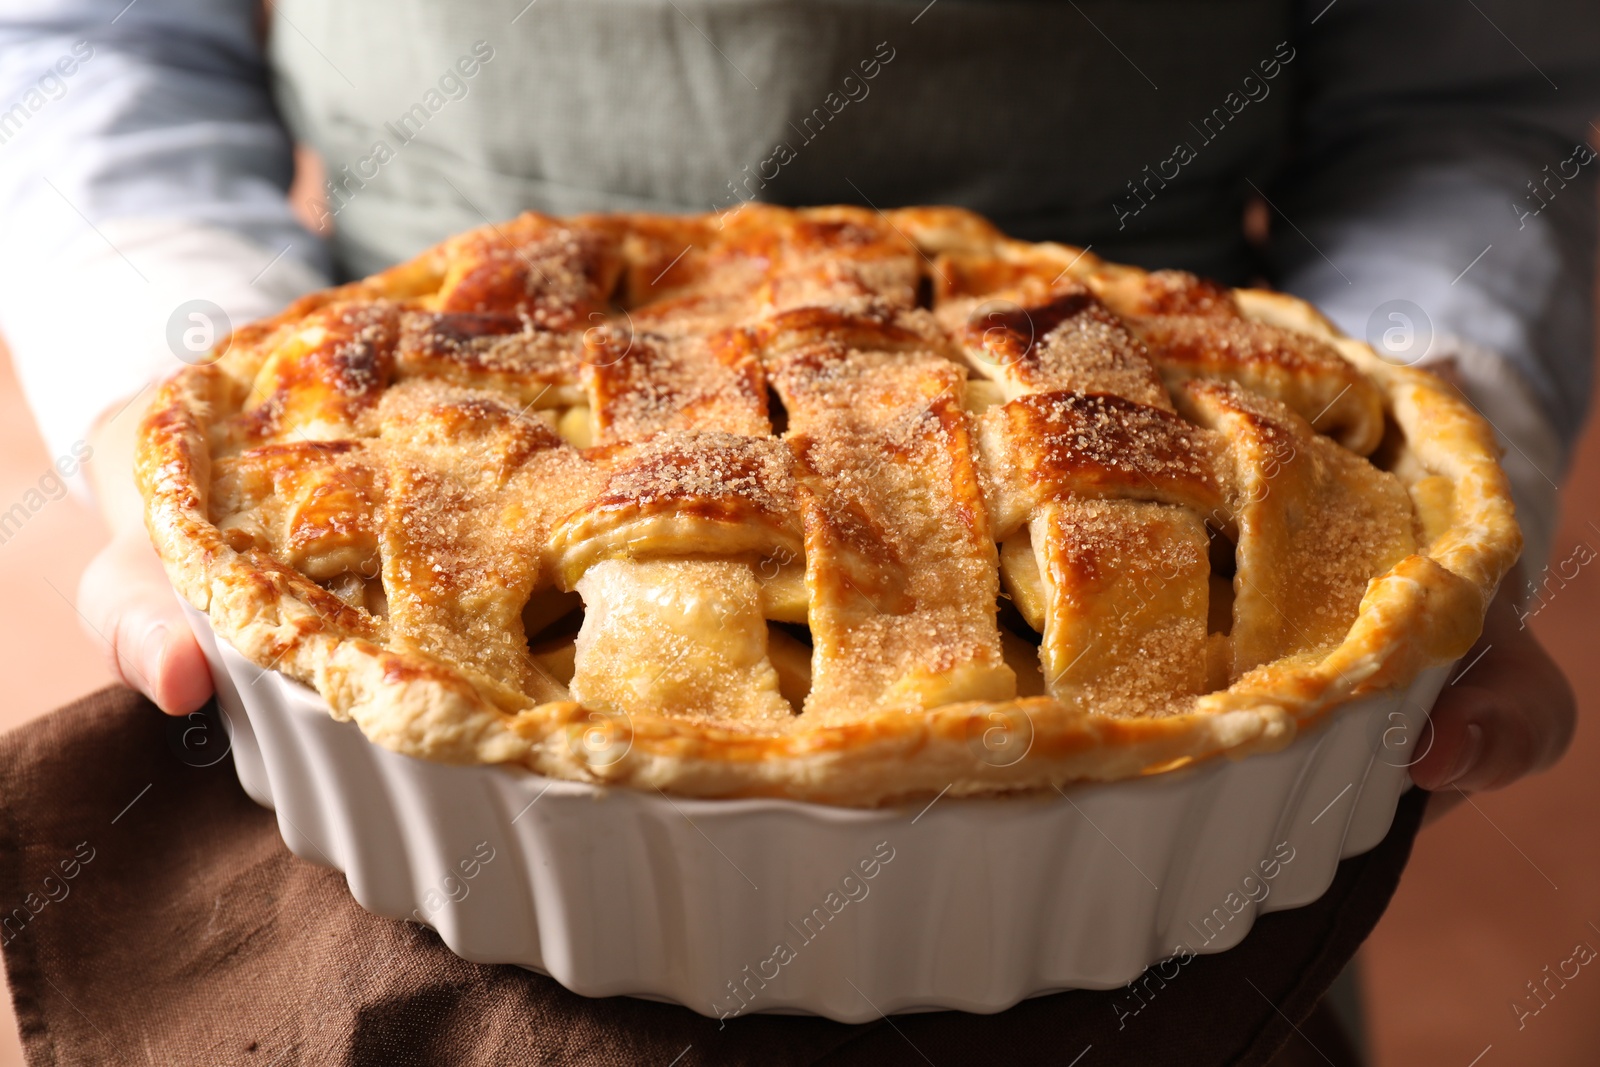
{"x": 1135, "y": 126}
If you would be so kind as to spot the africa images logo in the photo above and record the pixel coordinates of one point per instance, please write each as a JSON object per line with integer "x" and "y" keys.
{"x": 853, "y": 888}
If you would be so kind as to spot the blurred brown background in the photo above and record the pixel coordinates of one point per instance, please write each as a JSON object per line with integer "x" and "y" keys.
{"x": 1494, "y": 894}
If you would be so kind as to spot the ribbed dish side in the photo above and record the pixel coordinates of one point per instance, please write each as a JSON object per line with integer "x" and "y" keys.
{"x": 724, "y": 906}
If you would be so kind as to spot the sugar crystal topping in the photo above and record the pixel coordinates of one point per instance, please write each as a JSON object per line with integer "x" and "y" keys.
{"x": 761, "y": 399}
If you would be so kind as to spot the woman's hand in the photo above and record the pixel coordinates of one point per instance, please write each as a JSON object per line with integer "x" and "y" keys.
{"x": 124, "y": 596}
{"x": 1511, "y": 713}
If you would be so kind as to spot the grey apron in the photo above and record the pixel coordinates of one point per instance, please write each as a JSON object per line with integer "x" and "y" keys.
{"x": 1135, "y": 126}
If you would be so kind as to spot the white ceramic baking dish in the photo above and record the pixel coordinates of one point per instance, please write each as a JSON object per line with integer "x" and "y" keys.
{"x": 738, "y": 906}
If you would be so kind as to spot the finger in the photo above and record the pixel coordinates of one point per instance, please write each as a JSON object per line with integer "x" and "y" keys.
{"x": 153, "y": 650}
{"x": 1457, "y": 746}
{"x": 179, "y": 676}
{"x": 126, "y": 601}
{"x": 1518, "y": 717}
{"x": 1485, "y": 738}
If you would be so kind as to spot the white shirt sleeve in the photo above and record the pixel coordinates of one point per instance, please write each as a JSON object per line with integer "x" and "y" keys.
{"x": 142, "y": 169}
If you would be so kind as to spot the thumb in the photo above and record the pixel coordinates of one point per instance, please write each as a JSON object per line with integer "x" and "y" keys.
{"x": 125, "y": 599}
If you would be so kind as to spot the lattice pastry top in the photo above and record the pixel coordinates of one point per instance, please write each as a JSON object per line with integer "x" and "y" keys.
{"x": 827, "y": 504}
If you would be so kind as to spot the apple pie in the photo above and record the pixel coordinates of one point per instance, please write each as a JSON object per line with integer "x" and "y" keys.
{"x": 828, "y": 504}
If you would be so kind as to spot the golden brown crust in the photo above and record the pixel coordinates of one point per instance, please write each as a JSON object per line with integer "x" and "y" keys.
{"x": 378, "y": 490}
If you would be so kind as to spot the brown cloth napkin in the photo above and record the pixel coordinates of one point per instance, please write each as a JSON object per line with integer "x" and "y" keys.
{"x": 153, "y": 915}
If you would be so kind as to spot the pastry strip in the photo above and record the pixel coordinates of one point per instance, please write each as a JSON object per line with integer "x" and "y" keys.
{"x": 471, "y": 491}
{"x": 1313, "y": 521}
{"x": 698, "y": 496}
{"x": 900, "y": 562}
{"x": 1126, "y": 591}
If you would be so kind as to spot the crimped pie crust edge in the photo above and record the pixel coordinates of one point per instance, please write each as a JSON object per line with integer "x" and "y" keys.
{"x": 1426, "y": 610}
